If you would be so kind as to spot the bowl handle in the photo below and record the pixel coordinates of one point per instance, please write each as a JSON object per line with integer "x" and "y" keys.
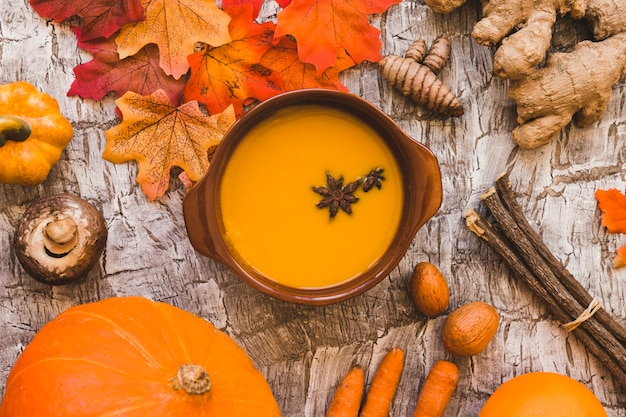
{"x": 199, "y": 213}
{"x": 426, "y": 177}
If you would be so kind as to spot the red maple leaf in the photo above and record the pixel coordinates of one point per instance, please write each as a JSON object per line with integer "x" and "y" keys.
{"x": 231, "y": 74}
{"x": 98, "y": 18}
{"x": 297, "y": 75}
{"x": 106, "y": 73}
{"x": 323, "y": 28}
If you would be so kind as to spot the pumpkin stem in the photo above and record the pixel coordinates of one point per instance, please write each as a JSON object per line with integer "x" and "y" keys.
{"x": 13, "y": 128}
{"x": 193, "y": 379}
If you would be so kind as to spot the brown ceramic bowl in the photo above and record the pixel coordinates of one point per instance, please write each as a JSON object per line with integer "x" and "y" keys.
{"x": 420, "y": 181}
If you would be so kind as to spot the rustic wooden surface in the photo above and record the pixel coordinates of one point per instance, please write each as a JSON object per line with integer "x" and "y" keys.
{"x": 302, "y": 350}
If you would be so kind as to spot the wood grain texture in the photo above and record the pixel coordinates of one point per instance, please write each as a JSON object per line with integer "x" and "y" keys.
{"x": 304, "y": 351}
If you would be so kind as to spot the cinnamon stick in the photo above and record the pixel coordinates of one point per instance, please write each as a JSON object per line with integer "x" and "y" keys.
{"x": 512, "y": 237}
{"x": 503, "y": 187}
{"x": 500, "y": 245}
{"x": 546, "y": 277}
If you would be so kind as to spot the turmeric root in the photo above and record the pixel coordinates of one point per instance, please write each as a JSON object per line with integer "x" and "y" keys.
{"x": 572, "y": 85}
{"x": 415, "y": 75}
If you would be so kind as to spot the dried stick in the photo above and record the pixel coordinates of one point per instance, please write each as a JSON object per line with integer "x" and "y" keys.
{"x": 503, "y": 187}
{"x": 546, "y": 277}
{"x": 500, "y": 245}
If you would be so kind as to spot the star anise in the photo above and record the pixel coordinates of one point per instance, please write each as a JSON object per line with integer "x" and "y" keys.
{"x": 373, "y": 179}
{"x": 336, "y": 195}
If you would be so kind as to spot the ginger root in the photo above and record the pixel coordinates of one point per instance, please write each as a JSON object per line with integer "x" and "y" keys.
{"x": 522, "y": 29}
{"x": 606, "y": 18}
{"x": 520, "y": 53}
{"x": 572, "y": 85}
{"x": 444, "y": 6}
{"x": 415, "y": 75}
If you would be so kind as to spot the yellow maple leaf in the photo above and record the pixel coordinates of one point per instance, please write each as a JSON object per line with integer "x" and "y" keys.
{"x": 160, "y": 136}
{"x": 175, "y": 26}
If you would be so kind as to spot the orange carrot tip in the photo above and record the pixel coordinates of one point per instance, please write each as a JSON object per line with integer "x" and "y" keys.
{"x": 347, "y": 399}
{"x": 437, "y": 390}
{"x": 384, "y": 385}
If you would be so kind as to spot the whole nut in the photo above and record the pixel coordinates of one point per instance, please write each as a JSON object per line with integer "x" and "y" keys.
{"x": 468, "y": 330}
{"x": 429, "y": 290}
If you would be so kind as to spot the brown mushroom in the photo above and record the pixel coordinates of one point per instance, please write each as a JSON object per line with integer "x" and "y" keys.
{"x": 60, "y": 238}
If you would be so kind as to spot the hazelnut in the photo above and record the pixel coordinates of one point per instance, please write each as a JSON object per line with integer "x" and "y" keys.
{"x": 468, "y": 330}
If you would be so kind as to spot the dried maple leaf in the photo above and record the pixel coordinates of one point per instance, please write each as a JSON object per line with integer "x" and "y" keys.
{"x": 98, "y": 18}
{"x": 160, "y": 136}
{"x": 323, "y": 28}
{"x": 612, "y": 204}
{"x": 231, "y": 74}
{"x": 297, "y": 75}
{"x": 175, "y": 26}
{"x": 106, "y": 73}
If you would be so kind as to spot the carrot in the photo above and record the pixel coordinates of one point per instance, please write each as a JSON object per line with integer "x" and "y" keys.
{"x": 437, "y": 390}
{"x": 347, "y": 399}
{"x": 384, "y": 385}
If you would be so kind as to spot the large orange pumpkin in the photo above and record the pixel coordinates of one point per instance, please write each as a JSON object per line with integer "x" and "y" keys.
{"x": 131, "y": 357}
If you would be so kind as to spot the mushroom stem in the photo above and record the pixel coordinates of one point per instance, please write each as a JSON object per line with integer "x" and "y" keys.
{"x": 193, "y": 379}
{"x": 61, "y": 236}
{"x": 13, "y": 128}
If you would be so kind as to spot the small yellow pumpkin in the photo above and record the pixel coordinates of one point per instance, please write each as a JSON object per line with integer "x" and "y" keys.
{"x": 132, "y": 357}
{"x": 33, "y": 133}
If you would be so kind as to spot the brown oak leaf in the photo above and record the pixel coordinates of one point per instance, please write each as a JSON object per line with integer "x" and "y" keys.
{"x": 160, "y": 136}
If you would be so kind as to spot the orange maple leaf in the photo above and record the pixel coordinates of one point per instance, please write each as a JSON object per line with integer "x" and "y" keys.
{"x": 323, "y": 28}
{"x": 160, "y": 136}
{"x": 612, "y": 204}
{"x": 620, "y": 257}
{"x": 175, "y": 26}
{"x": 231, "y": 74}
{"x": 297, "y": 75}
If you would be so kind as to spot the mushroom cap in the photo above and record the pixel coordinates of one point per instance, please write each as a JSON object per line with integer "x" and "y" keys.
{"x": 60, "y": 238}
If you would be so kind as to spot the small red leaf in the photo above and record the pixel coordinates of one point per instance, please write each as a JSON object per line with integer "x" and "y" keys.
{"x": 106, "y": 73}
{"x": 99, "y": 18}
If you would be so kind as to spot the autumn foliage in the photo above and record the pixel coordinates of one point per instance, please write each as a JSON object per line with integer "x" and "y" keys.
{"x": 612, "y": 204}
{"x": 194, "y": 51}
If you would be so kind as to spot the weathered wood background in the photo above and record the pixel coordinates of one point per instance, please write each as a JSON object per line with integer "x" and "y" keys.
{"x": 303, "y": 351}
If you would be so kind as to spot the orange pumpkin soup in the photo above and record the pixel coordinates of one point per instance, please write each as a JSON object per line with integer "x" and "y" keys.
{"x": 293, "y": 197}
